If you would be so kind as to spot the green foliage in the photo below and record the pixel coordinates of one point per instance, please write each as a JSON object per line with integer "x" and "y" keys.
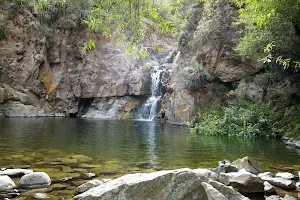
{"x": 51, "y": 10}
{"x": 271, "y": 31}
{"x": 3, "y": 29}
{"x": 128, "y": 21}
{"x": 251, "y": 121}
{"x": 90, "y": 45}
{"x": 196, "y": 79}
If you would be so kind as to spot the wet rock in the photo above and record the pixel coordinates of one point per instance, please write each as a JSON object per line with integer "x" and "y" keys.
{"x": 157, "y": 185}
{"x": 213, "y": 193}
{"x": 15, "y": 172}
{"x": 248, "y": 164}
{"x": 41, "y": 196}
{"x": 265, "y": 175}
{"x": 285, "y": 175}
{"x": 35, "y": 180}
{"x": 6, "y": 183}
{"x": 87, "y": 175}
{"x": 245, "y": 182}
{"x": 82, "y": 158}
{"x": 288, "y": 197}
{"x": 65, "y": 179}
{"x": 280, "y": 182}
{"x": 11, "y": 195}
{"x": 268, "y": 188}
{"x": 273, "y": 197}
{"x": 88, "y": 185}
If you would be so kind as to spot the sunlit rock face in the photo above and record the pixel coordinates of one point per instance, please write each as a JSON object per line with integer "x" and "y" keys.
{"x": 44, "y": 73}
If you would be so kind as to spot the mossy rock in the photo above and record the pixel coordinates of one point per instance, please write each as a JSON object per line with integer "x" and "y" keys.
{"x": 84, "y": 165}
{"x": 66, "y": 169}
{"x": 59, "y": 186}
{"x": 37, "y": 156}
{"x": 80, "y": 170}
{"x": 69, "y": 161}
{"x": 16, "y": 156}
{"x": 82, "y": 158}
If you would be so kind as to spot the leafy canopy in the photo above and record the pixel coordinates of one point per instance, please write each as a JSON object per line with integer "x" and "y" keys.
{"x": 126, "y": 21}
{"x": 271, "y": 31}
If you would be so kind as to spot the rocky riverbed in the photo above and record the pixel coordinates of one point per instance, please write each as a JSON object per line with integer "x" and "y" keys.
{"x": 240, "y": 179}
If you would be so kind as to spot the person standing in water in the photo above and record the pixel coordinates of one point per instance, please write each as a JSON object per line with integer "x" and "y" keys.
{"x": 162, "y": 114}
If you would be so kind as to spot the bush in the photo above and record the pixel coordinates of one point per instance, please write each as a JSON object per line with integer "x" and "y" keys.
{"x": 3, "y": 29}
{"x": 196, "y": 79}
{"x": 249, "y": 122}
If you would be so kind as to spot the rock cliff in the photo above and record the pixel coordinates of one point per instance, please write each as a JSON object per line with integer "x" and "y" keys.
{"x": 43, "y": 71}
{"x": 207, "y": 45}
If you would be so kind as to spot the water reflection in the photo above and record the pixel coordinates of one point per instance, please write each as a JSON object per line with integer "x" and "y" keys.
{"x": 130, "y": 143}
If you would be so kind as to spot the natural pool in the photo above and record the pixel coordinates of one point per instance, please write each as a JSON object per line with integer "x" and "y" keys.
{"x": 121, "y": 146}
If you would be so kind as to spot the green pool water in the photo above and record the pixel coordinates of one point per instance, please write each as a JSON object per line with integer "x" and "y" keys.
{"x": 118, "y": 147}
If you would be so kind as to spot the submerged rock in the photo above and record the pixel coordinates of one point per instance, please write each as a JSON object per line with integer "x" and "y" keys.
{"x": 245, "y": 182}
{"x": 82, "y": 158}
{"x": 248, "y": 164}
{"x": 35, "y": 180}
{"x": 6, "y": 183}
{"x": 171, "y": 184}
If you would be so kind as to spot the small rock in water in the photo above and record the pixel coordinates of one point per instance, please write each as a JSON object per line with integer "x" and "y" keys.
{"x": 65, "y": 179}
{"x": 41, "y": 196}
{"x": 6, "y": 183}
{"x": 35, "y": 180}
{"x": 285, "y": 175}
{"x": 88, "y": 175}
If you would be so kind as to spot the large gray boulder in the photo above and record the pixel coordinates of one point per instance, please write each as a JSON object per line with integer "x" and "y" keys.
{"x": 248, "y": 164}
{"x": 35, "y": 180}
{"x": 15, "y": 172}
{"x": 245, "y": 182}
{"x": 171, "y": 184}
{"x": 6, "y": 183}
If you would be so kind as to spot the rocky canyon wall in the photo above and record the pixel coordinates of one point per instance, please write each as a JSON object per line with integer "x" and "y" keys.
{"x": 43, "y": 71}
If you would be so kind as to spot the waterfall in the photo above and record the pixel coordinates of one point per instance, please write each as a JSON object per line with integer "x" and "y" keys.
{"x": 148, "y": 110}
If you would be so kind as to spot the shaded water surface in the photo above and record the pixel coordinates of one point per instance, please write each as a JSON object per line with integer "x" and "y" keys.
{"x": 118, "y": 147}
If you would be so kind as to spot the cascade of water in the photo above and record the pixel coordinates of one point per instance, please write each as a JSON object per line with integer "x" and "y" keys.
{"x": 148, "y": 110}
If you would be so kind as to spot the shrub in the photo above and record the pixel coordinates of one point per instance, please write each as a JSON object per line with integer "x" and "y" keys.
{"x": 249, "y": 122}
{"x": 196, "y": 79}
{"x": 3, "y": 29}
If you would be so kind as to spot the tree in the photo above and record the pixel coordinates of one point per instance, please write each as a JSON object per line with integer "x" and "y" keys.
{"x": 271, "y": 31}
